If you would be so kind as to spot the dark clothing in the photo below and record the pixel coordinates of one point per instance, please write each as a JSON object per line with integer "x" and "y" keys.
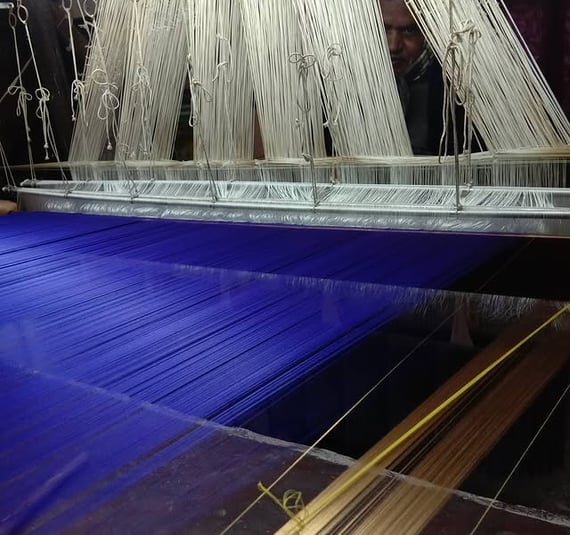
{"x": 422, "y": 101}
{"x": 422, "y": 95}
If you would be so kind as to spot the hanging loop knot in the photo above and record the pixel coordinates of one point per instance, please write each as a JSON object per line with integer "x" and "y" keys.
{"x": 22, "y": 105}
{"x": 23, "y": 97}
{"x": 43, "y": 95}
{"x": 142, "y": 86}
{"x": 12, "y": 18}
{"x": 77, "y": 95}
{"x": 454, "y": 55}
{"x": 66, "y": 5}
{"x": 142, "y": 78}
{"x": 77, "y": 89}
{"x": 226, "y": 65}
{"x": 90, "y": 14}
{"x": 22, "y": 12}
{"x": 122, "y": 152}
{"x": 334, "y": 52}
{"x": 99, "y": 77}
{"x": 333, "y": 120}
{"x": 197, "y": 89}
{"x": 474, "y": 36}
{"x": 293, "y": 500}
{"x": 304, "y": 63}
{"x": 109, "y": 103}
{"x": 108, "y": 106}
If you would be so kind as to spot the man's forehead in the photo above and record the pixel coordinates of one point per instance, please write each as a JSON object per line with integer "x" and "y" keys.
{"x": 396, "y": 13}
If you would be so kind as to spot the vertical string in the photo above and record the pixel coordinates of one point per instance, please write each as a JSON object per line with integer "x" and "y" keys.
{"x": 43, "y": 94}
{"x": 7, "y": 169}
{"x": 22, "y": 94}
{"x": 304, "y": 64}
{"x": 355, "y": 77}
{"x": 77, "y": 86}
{"x": 508, "y": 116}
{"x": 197, "y": 90}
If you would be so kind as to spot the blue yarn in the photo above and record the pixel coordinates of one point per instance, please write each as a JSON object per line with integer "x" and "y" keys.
{"x": 105, "y": 320}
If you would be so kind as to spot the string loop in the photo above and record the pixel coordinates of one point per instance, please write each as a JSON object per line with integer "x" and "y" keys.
{"x": 226, "y": 65}
{"x": 87, "y": 12}
{"x": 12, "y": 18}
{"x": 22, "y": 12}
{"x": 291, "y": 504}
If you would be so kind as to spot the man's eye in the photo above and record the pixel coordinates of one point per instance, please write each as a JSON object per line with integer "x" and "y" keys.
{"x": 410, "y": 31}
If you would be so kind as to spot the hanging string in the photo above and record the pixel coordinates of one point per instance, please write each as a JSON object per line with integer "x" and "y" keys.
{"x": 141, "y": 87}
{"x": 195, "y": 122}
{"x": 154, "y": 80}
{"x": 109, "y": 105}
{"x": 221, "y": 84}
{"x": 22, "y": 94}
{"x": 362, "y": 103}
{"x": 42, "y": 93}
{"x": 508, "y": 115}
{"x": 15, "y": 80}
{"x": 350, "y": 88}
{"x": 87, "y": 17}
{"x": 77, "y": 86}
{"x": 330, "y": 76}
{"x": 225, "y": 74}
{"x": 460, "y": 81}
{"x": 11, "y": 183}
{"x": 272, "y": 34}
{"x": 304, "y": 64}
{"x": 95, "y": 138}
{"x": 452, "y": 65}
{"x": 473, "y": 36}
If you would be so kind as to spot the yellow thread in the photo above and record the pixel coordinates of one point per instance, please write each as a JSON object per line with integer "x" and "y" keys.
{"x": 292, "y": 502}
{"x": 436, "y": 412}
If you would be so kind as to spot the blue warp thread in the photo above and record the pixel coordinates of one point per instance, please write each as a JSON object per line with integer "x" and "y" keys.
{"x": 118, "y": 334}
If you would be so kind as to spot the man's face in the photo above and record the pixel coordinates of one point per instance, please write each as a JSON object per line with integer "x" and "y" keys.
{"x": 405, "y": 40}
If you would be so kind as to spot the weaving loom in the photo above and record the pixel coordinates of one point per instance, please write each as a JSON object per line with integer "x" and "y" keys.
{"x": 337, "y": 72}
{"x": 154, "y": 310}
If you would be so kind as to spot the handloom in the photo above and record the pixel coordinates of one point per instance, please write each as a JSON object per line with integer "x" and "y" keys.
{"x": 303, "y": 68}
{"x": 161, "y": 330}
{"x": 202, "y": 329}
